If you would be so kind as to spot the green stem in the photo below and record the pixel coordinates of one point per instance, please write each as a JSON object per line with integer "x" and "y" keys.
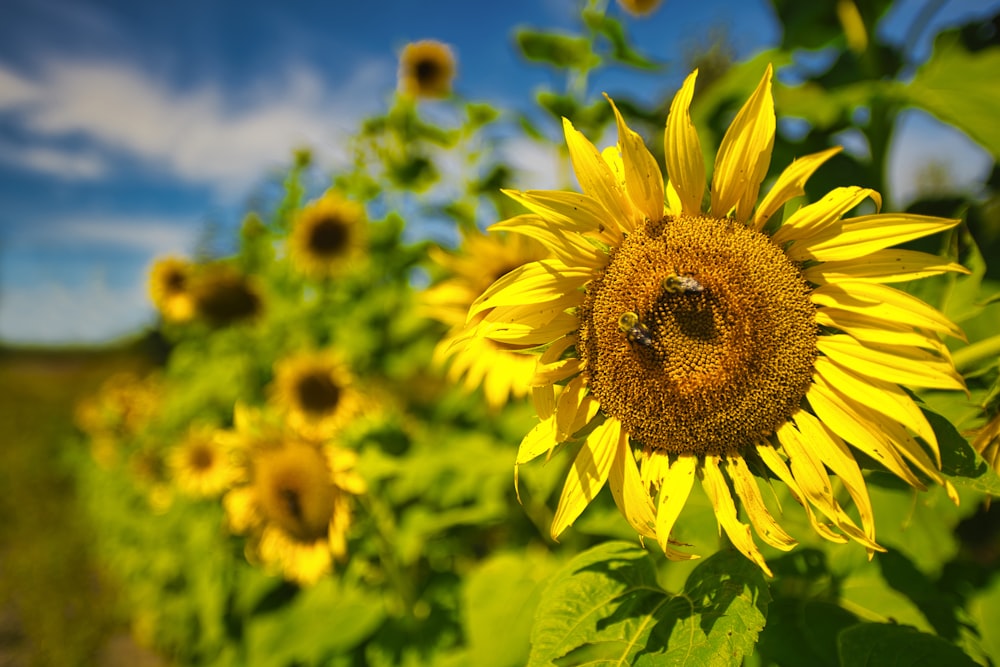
{"x": 969, "y": 356}
{"x": 385, "y": 528}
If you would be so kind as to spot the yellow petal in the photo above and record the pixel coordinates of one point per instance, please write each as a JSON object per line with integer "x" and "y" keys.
{"x": 745, "y": 154}
{"x": 862, "y": 434}
{"x": 675, "y": 487}
{"x": 884, "y": 397}
{"x": 626, "y": 486}
{"x": 890, "y": 430}
{"x": 836, "y": 456}
{"x": 568, "y": 406}
{"x": 587, "y": 475}
{"x": 539, "y": 440}
{"x": 547, "y": 281}
{"x": 682, "y": 150}
{"x": 569, "y": 211}
{"x": 643, "y": 178}
{"x": 544, "y": 400}
{"x": 556, "y": 372}
{"x": 775, "y": 464}
{"x": 739, "y": 534}
{"x": 884, "y": 302}
{"x": 863, "y": 235}
{"x": 749, "y": 493}
{"x": 877, "y": 330}
{"x": 546, "y": 329}
{"x": 790, "y": 184}
{"x": 902, "y": 365}
{"x": 596, "y": 179}
{"x": 884, "y": 266}
{"x": 569, "y": 247}
{"x": 814, "y": 219}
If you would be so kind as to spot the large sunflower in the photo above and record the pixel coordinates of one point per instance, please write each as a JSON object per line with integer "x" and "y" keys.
{"x": 316, "y": 392}
{"x": 686, "y": 341}
{"x": 293, "y": 499}
{"x": 328, "y": 235}
{"x": 503, "y": 370}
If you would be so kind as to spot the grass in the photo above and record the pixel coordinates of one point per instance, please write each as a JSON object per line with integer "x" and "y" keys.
{"x": 58, "y": 608}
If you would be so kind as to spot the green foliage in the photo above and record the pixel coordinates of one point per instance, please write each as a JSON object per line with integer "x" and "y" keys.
{"x": 605, "y": 607}
{"x": 442, "y": 564}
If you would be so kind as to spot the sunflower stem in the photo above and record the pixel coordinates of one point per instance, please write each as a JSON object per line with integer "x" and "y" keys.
{"x": 385, "y": 528}
{"x": 968, "y": 357}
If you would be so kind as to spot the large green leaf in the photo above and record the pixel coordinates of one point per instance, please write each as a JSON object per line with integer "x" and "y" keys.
{"x": 985, "y": 611}
{"x": 956, "y": 86}
{"x": 803, "y": 632}
{"x": 606, "y": 607}
{"x": 896, "y": 645}
{"x": 502, "y": 594}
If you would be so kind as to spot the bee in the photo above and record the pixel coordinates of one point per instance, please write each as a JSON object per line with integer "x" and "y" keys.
{"x": 681, "y": 284}
{"x": 634, "y": 330}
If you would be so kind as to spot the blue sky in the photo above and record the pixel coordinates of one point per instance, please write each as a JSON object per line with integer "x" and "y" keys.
{"x": 126, "y": 127}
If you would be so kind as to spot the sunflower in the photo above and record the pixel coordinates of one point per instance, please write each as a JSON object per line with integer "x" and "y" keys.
{"x": 503, "y": 370}
{"x": 640, "y": 7}
{"x": 170, "y": 288}
{"x": 426, "y": 69}
{"x": 316, "y": 392}
{"x": 684, "y": 342}
{"x": 224, "y": 296}
{"x": 201, "y": 464}
{"x": 327, "y": 235}
{"x": 293, "y": 499}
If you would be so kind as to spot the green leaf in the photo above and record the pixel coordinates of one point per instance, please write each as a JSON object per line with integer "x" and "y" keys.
{"x": 985, "y": 611}
{"x": 803, "y": 632}
{"x": 329, "y": 617}
{"x": 606, "y": 608}
{"x": 896, "y": 646}
{"x": 951, "y": 86}
{"x": 558, "y": 50}
{"x": 621, "y": 50}
{"x": 503, "y": 594}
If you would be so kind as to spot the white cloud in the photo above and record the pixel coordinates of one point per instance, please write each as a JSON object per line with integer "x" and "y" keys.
{"x": 206, "y": 135}
{"x": 68, "y": 164}
{"x": 89, "y": 312}
{"x": 145, "y": 235}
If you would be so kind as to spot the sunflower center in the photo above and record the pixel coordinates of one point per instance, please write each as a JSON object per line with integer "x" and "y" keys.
{"x": 295, "y": 492}
{"x": 175, "y": 282}
{"x": 318, "y": 393}
{"x": 427, "y": 71}
{"x": 201, "y": 457}
{"x": 328, "y": 237}
{"x": 699, "y": 337}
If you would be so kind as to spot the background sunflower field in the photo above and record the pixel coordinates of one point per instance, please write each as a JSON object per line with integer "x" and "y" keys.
{"x": 308, "y": 462}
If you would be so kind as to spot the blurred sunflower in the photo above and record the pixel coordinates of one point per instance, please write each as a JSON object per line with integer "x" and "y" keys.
{"x": 201, "y": 464}
{"x": 502, "y": 369}
{"x": 148, "y": 468}
{"x": 426, "y": 69}
{"x": 327, "y": 235}
{"x": 224, "y": 296}
{"x": 640, "y": 7}
{"x": 170, "y": 288}
{"x": 316, "y": 393}
{"x": 293, "y": 499}
{"x": 690, "y": 342}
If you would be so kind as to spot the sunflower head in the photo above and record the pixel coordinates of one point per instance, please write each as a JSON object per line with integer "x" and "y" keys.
{"x": 316, "y": 392}
{"x": 293, "y": 499}
{"x": 170, "y": 288}
{"x": 640, "y": 7}
{"x": 426, "y": 69}
{"x": 223, "y": 296}
{"x": 682, "y": 341}
{"x": 201, "y": 464}
{"x": 327, "y": 235}
{"x": 501, "y": 369}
